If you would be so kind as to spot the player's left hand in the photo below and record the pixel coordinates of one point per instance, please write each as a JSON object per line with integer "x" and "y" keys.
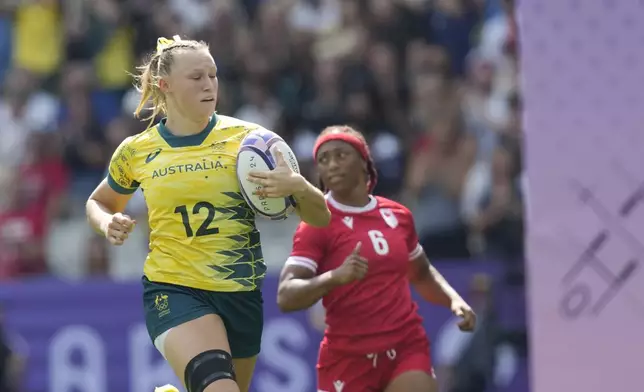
{"x": 463, "y": 310}
{"x": 279, "y": 182}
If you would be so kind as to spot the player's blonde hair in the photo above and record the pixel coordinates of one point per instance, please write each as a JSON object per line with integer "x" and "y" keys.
{"x": 157, "y": 66}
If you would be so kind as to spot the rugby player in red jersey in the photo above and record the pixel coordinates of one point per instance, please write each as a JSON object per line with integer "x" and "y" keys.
{"x": 361, "y": 266}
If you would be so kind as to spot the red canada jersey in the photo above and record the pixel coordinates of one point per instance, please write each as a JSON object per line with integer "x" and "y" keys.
{"x": 376, "y": 313}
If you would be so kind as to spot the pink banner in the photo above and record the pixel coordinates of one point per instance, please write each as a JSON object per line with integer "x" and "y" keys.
{"x": 583, "y": 82}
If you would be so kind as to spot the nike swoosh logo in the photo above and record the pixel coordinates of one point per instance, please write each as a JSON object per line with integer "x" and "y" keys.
{"x": 152, "y": 155}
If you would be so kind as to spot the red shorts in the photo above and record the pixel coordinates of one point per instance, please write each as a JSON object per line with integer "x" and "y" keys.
{"x": 340, "y": 372}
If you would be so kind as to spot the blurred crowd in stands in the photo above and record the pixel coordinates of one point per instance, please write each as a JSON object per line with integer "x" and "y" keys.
{"x": 433, "y": 84}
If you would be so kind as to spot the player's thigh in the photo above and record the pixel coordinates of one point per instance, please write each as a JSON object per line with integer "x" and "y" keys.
{"x": 198, "y": 349}
{"x": 349, "y": 373}
{"x": 183, "y": 325}
{"x": 244, "y": 369}
{"x": 412, "y": 368}
{"x": 413, "y": 381}
{"x": 167, "y": 306}
{"x": 243, "y": 317}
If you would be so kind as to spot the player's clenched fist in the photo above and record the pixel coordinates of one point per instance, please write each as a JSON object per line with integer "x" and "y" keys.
{"x": 354, "y": 267}
{"x": 118, "y": 228}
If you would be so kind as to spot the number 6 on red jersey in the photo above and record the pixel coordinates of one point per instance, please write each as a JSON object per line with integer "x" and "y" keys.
{"x": 379, "y": 242}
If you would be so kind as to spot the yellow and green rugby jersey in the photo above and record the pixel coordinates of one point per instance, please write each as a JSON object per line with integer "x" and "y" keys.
{"x": 203, "y": 233}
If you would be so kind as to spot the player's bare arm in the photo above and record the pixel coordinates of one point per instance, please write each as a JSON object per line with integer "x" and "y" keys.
{"x": 311, "y": 206}
{"x": 300, "y": 289}
{"x": 104, "y": 210}
{"x": 434, "y": 288}
{"x": 282, "y": 181}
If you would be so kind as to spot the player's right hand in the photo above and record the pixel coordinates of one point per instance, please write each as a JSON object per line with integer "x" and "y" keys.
{"x": 119, "y": 228}
{"x": 354, "y": 267}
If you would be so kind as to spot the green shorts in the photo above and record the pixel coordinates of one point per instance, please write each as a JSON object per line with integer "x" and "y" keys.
{"x": 168, "y": 305}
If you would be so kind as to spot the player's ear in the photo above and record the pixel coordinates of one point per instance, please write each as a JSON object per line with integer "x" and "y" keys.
{"x": 164, "y": 86}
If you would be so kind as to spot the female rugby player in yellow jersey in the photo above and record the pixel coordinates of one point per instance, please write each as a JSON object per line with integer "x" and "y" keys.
{"x": 203, "y": 274}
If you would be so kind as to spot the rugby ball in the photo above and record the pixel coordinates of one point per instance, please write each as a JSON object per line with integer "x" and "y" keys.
{"x": 258, "y": 151}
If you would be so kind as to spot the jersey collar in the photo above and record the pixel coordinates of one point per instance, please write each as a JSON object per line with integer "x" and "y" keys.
{"x": 351, "y": 209}
{"x": 186, "y": 141}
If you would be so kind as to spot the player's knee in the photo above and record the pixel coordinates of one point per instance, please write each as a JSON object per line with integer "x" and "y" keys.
{"x": 208, "y": 367}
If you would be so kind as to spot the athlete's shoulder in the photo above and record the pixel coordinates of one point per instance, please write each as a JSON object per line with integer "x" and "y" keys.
{"x": 143, "y": 139}
{"x": 304, "y": 229}
{"x": 394, "y": 206}
{"x": 392, "y": 211}
{"x": 125, "y": 151}
{"x": 123, "y": 170}
{"x": 224, "y": 122}
{"x": 141, "y": 144}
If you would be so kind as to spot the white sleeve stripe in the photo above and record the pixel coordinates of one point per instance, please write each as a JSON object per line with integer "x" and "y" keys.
{"x": 416, "y": 252}
{"x": 302, "y": 259}
{"x": 302, "y": 262}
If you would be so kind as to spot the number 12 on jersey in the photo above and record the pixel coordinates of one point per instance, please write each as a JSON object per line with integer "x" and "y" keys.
{"x": 379, "y": 242}
{"x": 204, "y": 228}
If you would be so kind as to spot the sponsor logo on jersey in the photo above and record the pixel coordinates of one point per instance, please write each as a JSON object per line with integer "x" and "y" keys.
{"x": 389, "y": 217}
{"x": 204, "y": 165}
{"x": 348, "y": 221}
{"x": 218, "y": 146}
{"x": 152, "y": 155}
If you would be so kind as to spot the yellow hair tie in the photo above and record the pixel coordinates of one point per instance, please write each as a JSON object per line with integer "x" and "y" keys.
{"x": 164, "y": 43}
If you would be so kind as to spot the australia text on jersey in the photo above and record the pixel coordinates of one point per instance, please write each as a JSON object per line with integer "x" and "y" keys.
{"x": 204, "y": 165}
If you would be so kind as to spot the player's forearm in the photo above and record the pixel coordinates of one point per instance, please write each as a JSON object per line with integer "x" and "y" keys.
{"x": 299, "y": 294}
{"x": 311, "y": 206}
{"x": 434, "y": 288}
{"x": 97, "y": 215}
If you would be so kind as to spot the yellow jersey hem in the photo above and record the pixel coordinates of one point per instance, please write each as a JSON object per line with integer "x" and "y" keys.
{"x": 194, "y": 284}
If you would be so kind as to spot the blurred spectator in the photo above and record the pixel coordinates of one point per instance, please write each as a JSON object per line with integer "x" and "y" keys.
{"x": 260, "y": 107}
{"x": 436, "y": 177}
{"x": 315, "y": 16}
{"x": 97, "y": 257}
{"x": 477, "y": 98}
{"x": 24, "y": 109}
{"x": 22, "y": 233}
{"x": 38, "y": 36}
{"x": 475, "y": 362}
{"x": 439, "y": 106}
{"x": 496, "y": 217}
{"x": 12, "y": 362}
{"x": 5, "y": 39}
{"x": 33, "y": 202}
{"x": 84, "y": 140}
{"x": 451, "y": 27}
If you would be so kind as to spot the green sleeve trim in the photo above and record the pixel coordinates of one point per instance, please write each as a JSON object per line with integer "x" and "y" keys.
{"x": 119, "y": 189}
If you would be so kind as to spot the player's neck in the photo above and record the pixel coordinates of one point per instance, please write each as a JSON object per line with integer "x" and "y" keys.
{"x": 181, "y": 126}
{"x": 353, "y": 199}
